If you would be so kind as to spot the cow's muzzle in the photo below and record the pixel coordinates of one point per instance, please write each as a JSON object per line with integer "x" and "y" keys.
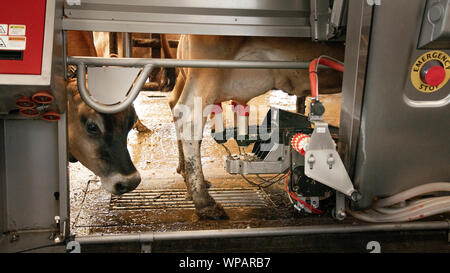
{"x": 119, "y": 184}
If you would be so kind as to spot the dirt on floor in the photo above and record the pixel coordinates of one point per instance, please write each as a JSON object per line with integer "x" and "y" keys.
{"x": 155, "y": 155}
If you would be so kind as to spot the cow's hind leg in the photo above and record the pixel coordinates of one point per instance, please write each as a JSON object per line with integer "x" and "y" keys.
{"x": 173, "y": 100}
{"x": 206, "y": 207}
{"x": 190, "y": 128}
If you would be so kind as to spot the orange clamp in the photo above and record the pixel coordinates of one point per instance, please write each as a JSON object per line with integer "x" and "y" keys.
{"x": 29, "y": 112}
{"x": 25, "y": 102}
{"x": 43, "y": 97}
{"x": 51, "y": 115}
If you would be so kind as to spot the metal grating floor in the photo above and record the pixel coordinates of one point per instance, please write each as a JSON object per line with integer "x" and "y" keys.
{"x": 141, "y": 199}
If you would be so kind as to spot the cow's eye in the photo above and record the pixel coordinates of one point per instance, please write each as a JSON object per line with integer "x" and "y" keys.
{"x": 92, "y": 128}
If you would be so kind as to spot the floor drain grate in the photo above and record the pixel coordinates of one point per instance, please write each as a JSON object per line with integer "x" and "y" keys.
{"x": 141, "y": 199}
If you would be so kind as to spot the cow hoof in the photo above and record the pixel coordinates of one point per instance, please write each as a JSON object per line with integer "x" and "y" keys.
{"x": 214, "y": 212}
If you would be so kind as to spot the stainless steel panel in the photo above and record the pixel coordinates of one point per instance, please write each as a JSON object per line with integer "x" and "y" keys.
{"x": 63, "y": 178}
{"x": 319, "y": 19}
{"x": 338, "y": 18}
{"x": 33, "y": 167}
{"x": 356, "y": 52}
{"x": 110, "y": 85}
{"x": 32, "y": 173}
{"x": 3, "y": 214}
{"x": 29, "y": 241}
{"x": 247, "y": 164}
{"x": 399, "y": 146}
{"x": 322, "y": 162}
{"x": 436, "y": 25}
{"x": 288, "y": 18}
{"x": 214, "y": 4}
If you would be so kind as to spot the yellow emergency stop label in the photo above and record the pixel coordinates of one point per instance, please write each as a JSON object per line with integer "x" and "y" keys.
{"x": 418, "y": 66}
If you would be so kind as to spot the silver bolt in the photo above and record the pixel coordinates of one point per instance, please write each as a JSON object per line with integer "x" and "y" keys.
{"x": 311, "y": 161}
{"x": 14, "y": 237}
{"x": 435, "y": 13}
{"x": 341, "y": 215}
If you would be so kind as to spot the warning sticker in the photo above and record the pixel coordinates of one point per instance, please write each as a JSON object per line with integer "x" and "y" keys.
{"x": 3, "y": 29}
{"x": 17, "y": 30}
{"x": 12, "y": 43}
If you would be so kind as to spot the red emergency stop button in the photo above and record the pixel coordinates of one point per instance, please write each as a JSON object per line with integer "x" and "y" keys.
{"x": 433, "y": 73}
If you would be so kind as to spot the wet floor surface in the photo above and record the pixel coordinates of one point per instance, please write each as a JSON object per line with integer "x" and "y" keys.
{"x": 155, "y": 155}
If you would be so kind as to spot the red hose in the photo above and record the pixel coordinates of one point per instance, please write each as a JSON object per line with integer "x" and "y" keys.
{"x": 314, "y": 210}
{"x": 313, "y": 79}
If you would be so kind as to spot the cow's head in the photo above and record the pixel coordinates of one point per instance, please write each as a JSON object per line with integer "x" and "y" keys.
{"x": 99, "y": 142}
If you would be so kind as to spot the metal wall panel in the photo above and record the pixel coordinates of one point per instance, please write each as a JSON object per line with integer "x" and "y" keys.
{"x": 400, "y": 144}
{"x": 356, "y": 54}
{"x": 288, "y": 18}
{"x": 32, "y": 173}
{"x": 3, "y": 223}
{"x": 436, "y": 25}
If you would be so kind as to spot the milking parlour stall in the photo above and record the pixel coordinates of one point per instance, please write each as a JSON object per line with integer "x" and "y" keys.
{"x": 207, "y": 128}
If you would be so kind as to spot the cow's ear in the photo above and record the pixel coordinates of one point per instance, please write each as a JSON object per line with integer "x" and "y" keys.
{"x": 72, "y": 159}
{"x": 72, "y": 88}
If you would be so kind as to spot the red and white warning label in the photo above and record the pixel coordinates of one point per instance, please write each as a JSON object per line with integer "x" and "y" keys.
{"x": 12, "y": 43}
{"x": 12, "y": 37}
{"x": 17, "y": 30}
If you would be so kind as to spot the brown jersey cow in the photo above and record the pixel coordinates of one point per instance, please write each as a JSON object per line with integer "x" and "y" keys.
{"x": 209, "y": 86}
{"x": 99, "y": 141}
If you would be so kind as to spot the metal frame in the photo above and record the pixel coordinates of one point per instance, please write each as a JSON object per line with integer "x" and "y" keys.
{"x": 208, "y": 17}
{"x": 323, "y": 163}
{"x": 383, "y": 116}
{"x": 356, "y": 60}
{"x": 149, "y": 64}
{"x": 146, "y": 239}
{"x": 3, "y": 208}
{"x": 435, "y": 30}
{"x": 33, "y": 211}
{"x": 270, "y": 165}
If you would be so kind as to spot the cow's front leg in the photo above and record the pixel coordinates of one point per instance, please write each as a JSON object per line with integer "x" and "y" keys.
{"x": 181, "y": 170}
{"x": 206, "y": 207}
